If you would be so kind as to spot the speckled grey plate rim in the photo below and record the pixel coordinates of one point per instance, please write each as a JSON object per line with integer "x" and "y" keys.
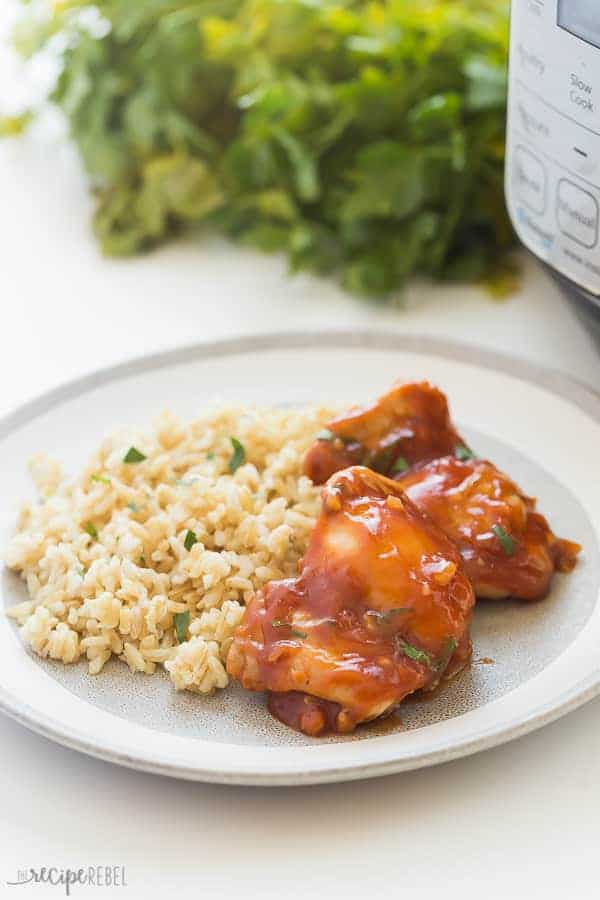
{"x": 570, "y": 389}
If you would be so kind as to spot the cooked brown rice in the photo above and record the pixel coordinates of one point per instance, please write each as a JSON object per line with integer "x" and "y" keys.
{"x": 104, "y": 555}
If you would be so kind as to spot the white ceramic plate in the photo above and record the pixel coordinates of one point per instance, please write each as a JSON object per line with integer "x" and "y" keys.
{"x": 539, "y": 426}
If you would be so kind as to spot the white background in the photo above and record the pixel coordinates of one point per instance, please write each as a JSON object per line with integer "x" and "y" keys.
{"x": 518, "y": 821}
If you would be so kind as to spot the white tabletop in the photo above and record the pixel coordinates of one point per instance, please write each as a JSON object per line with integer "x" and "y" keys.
{"x": 520, "y": 819}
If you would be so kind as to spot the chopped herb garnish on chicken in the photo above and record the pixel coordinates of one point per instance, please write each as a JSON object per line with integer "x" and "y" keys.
{"x": 134, "y": 455}
{"x": 400, "y": 465}
{"x": 190, "y": 540}
{"x": 462, "y": 452}
{"x": 91, "y": 529}
{"x": 413, "y": 652}
{"x": 238, "y": 457}
{"x": 451, "y": 646}
{"x": 210, "y": 455}
{"x": 381, "y": 461}
{"x": 508, "y": 543}
{"x": 182, "y": 623}
{"x": 132, "y": 506}
{"x": 299, "y": 634}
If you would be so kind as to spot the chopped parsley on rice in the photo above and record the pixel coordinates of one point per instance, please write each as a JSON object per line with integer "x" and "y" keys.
{"x": 108, "y": 559}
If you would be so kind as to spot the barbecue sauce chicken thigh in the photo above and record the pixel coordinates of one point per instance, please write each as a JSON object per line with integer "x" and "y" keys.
{"x": 508, "y": 549}
{"x": 380, "y": 608}
{"x": 409, "y": 424}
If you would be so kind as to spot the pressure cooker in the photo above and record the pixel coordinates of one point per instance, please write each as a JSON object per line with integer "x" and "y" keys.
{"x": 553, "y": 141}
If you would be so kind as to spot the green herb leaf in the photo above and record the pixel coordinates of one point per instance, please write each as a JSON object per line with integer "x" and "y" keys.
{"x": 400, "y": 465}
{"x": 134, "y": 455}
{"x": 238, "y": 457}
{"x": 462, "y": 452}
{"x": 210, "y": 455}
{"x": 508, "y": 543}
{"x": 190, "y": 540}
{"x": 451, "y": 646}
{"x": 142, "y": 561}
{"x": 414, "y": 652}
{"x": 278, "y": 623}
{"x": 133, "y": 507}
{"x": 370, "y": 146}
{"x": 326, "y": 435}
{"x": 101, "y": 479}
{"x": 382, "y": 461}
{"x": 299, "y": 634}
{"x": 303, "y": 164}
{"x": 182, "y": 623}
{"x": 91, "y": 529}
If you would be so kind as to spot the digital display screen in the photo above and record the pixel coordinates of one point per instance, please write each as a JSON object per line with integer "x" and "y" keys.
{"x": 581, "y": 18}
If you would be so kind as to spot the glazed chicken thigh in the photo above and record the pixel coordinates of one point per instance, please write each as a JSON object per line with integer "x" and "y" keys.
{"x": 409, "y": 424}
{"x": 380, "y": 608}
{"x": 508, "y": 548}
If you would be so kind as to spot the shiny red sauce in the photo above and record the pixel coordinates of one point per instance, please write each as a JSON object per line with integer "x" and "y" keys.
{"x": 380, "y": 609}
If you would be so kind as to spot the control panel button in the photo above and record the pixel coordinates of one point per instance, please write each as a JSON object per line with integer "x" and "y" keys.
{"x": 531, "y": 62}
{"x": 535, "y": 8}
{"x": 577, "y": 213}
{"x": 530, "y": 180}
{"x": 537, "y": 126}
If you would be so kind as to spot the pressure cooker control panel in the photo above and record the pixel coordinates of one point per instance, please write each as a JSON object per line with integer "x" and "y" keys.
{"x": 553, "y": 139}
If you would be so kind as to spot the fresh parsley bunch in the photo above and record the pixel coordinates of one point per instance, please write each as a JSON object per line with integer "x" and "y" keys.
{"x": 362, "y": 138}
